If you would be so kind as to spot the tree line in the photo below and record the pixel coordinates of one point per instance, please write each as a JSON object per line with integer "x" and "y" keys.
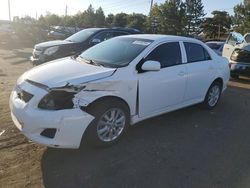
{"x": 175, "y": 17}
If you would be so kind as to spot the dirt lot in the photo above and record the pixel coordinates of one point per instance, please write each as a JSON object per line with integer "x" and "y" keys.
{"x": 187, "y": 148}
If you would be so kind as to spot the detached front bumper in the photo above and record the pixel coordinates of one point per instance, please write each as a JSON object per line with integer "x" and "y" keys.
{"x": 69, "y": 124}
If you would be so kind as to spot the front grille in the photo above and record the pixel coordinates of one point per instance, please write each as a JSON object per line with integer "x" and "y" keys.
{"x": 24, "y": 96}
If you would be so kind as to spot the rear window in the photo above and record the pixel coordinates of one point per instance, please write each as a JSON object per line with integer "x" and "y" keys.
{"x": 196, "y": 52}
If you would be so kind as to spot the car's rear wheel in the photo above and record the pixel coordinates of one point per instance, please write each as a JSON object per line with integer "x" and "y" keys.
{"x": 213, "y": 95}
{"x": 110, "y": 123}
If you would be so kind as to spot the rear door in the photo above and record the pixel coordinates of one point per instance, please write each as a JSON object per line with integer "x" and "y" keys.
{"x": 201, "y": 71}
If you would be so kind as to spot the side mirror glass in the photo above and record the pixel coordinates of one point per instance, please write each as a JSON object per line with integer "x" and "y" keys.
{"x": 151, "y": 66}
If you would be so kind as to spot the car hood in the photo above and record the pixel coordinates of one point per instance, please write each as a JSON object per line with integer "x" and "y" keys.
{"x": 60, "y": 72}
{"x": 52, "y": 43}
{"x": 244, "y": 46}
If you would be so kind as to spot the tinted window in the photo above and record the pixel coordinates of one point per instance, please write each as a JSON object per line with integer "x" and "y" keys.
{"x": 196, "y": 52}
{"x": 116, "y": 52}
{"x": 168, "y": 54}
{"x": 82, "y": 35}
{"x": 104, "y": 36}
{"x": 119, "y": 33}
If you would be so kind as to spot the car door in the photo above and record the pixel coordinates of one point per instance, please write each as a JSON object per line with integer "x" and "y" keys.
{"x": 162, "y": 89}
{"x": 201, "y": 70}
{"x": 229, "y": 46}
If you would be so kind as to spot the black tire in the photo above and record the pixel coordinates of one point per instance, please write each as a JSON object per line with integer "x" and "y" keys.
{"x": 235, "y": 76}
{"x": 206, "y": 103}
{"x": 98, "y": 109}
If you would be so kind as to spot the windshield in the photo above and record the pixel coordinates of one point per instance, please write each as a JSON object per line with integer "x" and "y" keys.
{"x": 116, "y": 52}
{"x": 81, "y": 35}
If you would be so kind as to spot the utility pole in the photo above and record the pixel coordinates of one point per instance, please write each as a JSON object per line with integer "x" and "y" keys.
{"x": 66, "y": 10}
{"x": 9, "y": 10}
{"x": 151, "y": 5}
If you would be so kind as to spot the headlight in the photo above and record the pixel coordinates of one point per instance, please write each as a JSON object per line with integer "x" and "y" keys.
{"x": 60, "y": 98}
{"x": 57, "y": 100}
{"x": 51, "y": 50}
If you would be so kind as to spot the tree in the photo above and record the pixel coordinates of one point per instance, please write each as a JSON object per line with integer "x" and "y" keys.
{"x": 241, "y": 18}
{"x": 194, "y": 16}
{"x": 168, "y": 18}
{"x": 99, "y": 17}
{"x": 120, "y": 20}
{"x": 88, "y": 17}
{"x": 218, "y": 25}
{"x": 136, "y": 21}
{"x": 110, "y": 20}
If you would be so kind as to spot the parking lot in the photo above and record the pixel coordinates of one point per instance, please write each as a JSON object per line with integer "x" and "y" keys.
{"x": 189, "y": 148}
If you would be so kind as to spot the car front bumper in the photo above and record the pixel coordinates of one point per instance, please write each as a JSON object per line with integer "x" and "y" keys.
{"x": 239, "y": 68}
{"x": 70, "y": 124}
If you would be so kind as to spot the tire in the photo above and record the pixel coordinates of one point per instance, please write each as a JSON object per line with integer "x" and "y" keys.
{"x": 234, "y": 76}
{"x": 103, "y": 130}
{"x": 213, "y": 96}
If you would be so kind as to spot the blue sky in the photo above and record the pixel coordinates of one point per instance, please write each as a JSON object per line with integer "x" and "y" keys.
{"x": 33, "y": 7}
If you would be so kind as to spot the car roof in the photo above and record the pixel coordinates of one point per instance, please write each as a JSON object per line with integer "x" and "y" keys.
{"x": 216, "y": 42}
{"x": 157, "y": 37}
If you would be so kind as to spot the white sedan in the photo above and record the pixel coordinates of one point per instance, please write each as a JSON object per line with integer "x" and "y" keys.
{"x": 117, "y": 83}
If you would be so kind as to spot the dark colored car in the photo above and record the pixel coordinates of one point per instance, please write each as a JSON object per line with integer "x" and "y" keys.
{"x": 75, "y": 44}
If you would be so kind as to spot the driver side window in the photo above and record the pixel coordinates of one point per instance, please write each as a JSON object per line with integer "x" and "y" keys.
{"x": 168, "y": 54}
{"x": 104, "y": 36}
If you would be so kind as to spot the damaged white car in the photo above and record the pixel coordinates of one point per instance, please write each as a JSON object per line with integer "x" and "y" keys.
{"x": 237, "y": 51}
{"x": 114, "y": 84}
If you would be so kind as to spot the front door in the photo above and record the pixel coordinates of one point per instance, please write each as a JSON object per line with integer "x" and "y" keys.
{"x": 162, "y": 89}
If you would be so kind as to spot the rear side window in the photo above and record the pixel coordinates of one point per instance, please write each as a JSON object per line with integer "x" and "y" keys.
{"x": 196, "y": 52}
{"x": 168, "y": 54}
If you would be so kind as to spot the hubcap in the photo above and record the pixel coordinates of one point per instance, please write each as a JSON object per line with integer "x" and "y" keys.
{"x": 214, "y": 95}
{"x": 111, "y": 124}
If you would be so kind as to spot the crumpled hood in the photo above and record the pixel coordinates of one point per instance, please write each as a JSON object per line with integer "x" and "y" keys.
{"x": 60, "y": 72}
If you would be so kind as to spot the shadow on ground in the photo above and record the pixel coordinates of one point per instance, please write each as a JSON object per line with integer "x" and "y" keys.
{"x": 187, "y": 148}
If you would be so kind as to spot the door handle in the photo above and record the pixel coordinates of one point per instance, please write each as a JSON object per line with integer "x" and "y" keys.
{"x": 181, "y": 73}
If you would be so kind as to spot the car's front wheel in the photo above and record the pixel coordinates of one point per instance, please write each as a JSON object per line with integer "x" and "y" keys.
{"x": 213, "y": 95}
{"x": 110, "y": 123}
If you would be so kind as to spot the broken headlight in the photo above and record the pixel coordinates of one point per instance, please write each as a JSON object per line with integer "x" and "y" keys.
{"x": 57, "y": 100}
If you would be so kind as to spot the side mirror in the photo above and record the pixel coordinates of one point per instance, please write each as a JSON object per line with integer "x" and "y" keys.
{"x": 95, "y": 41}
{"x": 151, "y": 66}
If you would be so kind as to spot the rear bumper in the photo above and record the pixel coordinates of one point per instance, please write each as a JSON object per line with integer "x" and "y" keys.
{"x": 70, "y": 124}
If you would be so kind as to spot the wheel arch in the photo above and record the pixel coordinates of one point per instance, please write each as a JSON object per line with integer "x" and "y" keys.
{"x": 108, "y": 98}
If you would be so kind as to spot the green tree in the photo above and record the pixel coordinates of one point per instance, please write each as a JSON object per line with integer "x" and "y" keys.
{"x": 120, "y": 20}
{"x": 194, "y": 16}
{"x": 168, "y": 18}
{"x": 137, "y": 21}
{"x": 88, "y": 17}
{"x": 241, "y": 18}
{"x": 110, "y": 20}
{"x": 218, "y": 25}
{"x": 99, "y": 18}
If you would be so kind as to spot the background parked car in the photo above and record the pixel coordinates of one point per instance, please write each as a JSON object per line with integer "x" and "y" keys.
{"x": 237, "y": 51}
{"x": 76, "y": 43}
{"x": 217, "y": 46}
{"x": 60, "y": 32}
